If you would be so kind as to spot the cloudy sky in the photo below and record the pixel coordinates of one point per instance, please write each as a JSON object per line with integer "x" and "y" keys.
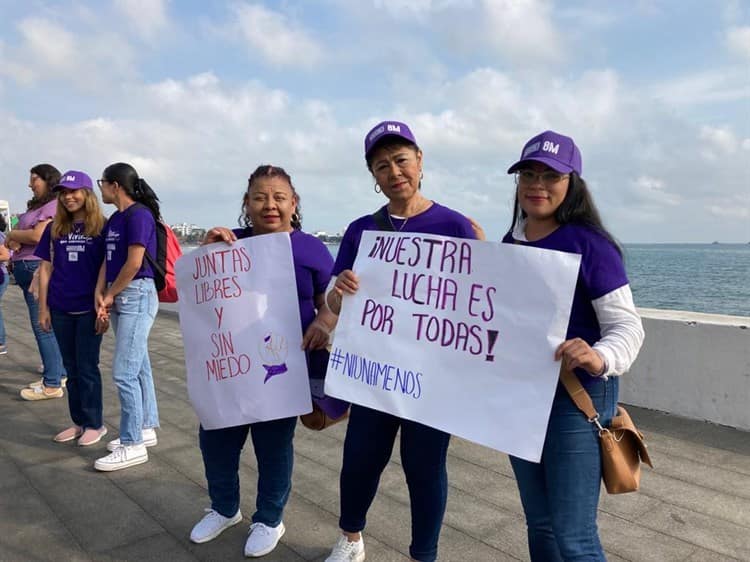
{"x": 196, "y": 94}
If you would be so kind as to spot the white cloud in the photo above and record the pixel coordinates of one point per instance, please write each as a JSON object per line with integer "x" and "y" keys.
{"x": 49, "y": 51}
{"x": 523, "y": 30}
{"x": 725, "y": 84}
{"x": 719, "y": 143}
{"x": 276, "y": 38}
{"x": 149, "y": 17}
{"x": 738, "y": 41}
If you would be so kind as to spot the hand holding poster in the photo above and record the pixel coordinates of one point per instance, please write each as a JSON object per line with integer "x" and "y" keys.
{"x": 456, "y": 334}
{"x": 240, "y": 324}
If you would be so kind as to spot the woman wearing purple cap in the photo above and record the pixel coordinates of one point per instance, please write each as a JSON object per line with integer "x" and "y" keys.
{"x": 126, "y": 293}
{"x": 72, "y": 252}
{"x": 22, "y": 241}
{"x": 270, "y": 204}
{"x": 395, "y": 162}
{"x": 554, "y": 210}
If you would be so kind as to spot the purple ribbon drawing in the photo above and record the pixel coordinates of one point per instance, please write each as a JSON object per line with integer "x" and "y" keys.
{"x": 273, "y": 370}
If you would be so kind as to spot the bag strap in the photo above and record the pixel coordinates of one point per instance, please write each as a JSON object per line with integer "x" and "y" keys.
{"x": 381, "y": 219}
{"x": 579, "y": 396}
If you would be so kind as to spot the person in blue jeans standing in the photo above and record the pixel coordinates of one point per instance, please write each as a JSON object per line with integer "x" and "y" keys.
{"x": 22, "y": 241}
{"x": 395, "y": 161}
{"x": 269, "y": 205}
{"x": 554, "y": 210}
{"x": 4, "y": 280}
{"x": 126, "y": 295}
{"x": 72, "y": 252}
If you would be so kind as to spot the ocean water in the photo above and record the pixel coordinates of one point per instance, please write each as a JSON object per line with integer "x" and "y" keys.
{"x": 711, "y": 278}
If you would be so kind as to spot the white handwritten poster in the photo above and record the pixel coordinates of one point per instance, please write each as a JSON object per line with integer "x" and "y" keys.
{"x": 456, "y": 334}
{"x": 240, "y": 323}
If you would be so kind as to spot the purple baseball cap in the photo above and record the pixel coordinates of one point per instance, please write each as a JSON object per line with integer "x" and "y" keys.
{"x": 553, "y": 149}
{"x": 387, "y": 129}
{"x": 73, "y": 179}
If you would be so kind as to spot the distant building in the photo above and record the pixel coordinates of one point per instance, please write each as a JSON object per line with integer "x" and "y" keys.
{"x": 188, "y": 233}
{"x": 328, "y": 238}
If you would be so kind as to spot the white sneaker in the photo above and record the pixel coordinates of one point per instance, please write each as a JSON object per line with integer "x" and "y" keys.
{"x": 212, "y": 525}
{"x": 148, "y": 435}
{"x": 347, "y": 551}
{"x": 122, "y": 457}
{"x": 263, "y": 539}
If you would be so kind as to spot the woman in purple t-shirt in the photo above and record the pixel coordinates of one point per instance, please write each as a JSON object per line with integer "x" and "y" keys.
{"x": 72, "y": 251}
{"x": 269, "y": 205}
{"x": 395, "y": 161}
{"x": 554, "y": 210}
{"x": 22, "y": 240}
{"x": 126, "y": 293}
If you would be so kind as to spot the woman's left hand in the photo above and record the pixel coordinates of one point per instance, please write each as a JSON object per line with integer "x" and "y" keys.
{"x": 578, "y": 353}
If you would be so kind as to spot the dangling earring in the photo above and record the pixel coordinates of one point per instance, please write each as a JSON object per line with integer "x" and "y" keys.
{"x": 377, "y": 188}
{"x": 295, "y": 218}
{"x": 421, "y": 175}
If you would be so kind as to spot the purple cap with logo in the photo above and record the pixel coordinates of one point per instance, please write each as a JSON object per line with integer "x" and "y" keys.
{"x": 73, "y": 179}
{"x": 387, "y": 129}
{"x": 553, "y": 149}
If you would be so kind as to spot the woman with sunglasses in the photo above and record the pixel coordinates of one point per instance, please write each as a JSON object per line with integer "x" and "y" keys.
{"x": 554, "y": 210}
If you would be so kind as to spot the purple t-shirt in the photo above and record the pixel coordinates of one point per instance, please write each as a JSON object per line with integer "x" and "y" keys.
{"x": 76, "y": 262}
{"x": 312, "y": 269}
{"x": 601, "y": 272}
{"x": 29, "y": 220}
{"x": 435, "y": 220}
{"x": 135, "y": 225}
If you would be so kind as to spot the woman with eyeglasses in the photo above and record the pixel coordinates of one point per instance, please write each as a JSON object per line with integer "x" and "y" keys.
{"x": 22, "y": 241}
{"x": 126, "y": 295}
{"x": 395, "y": 161}
{"x": 554, "y": 210}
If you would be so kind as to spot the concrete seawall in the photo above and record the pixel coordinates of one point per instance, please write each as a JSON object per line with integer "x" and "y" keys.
{"x": 693, "y": 365}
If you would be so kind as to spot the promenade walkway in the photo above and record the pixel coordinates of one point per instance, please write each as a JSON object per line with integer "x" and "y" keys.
{"x": 695, "y": 506}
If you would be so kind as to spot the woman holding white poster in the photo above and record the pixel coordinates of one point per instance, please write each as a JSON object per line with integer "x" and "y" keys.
{"x": 554, "y": 210}
{"x": 395, "y": 161}
{"x": 269, "y": 205}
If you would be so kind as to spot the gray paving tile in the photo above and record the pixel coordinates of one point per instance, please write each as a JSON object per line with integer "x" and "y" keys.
{"x": 693, "y": 506}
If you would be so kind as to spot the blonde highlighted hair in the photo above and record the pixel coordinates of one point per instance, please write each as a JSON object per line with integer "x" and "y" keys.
{"x": 93, "y": 223}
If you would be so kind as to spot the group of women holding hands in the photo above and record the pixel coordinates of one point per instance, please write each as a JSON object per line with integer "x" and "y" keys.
{"x": 93, "y": 273}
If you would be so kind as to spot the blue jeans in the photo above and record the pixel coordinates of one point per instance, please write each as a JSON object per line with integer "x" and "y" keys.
{"x": 272, "y": 441}
{"x": 3, "y": 286}
{"x": 23, "y": 271}
{"x": 560, "y": 494}
{"x": 79, "y": 345}
{"x": 132, "y": 316}
{"x": 370, "y": 436}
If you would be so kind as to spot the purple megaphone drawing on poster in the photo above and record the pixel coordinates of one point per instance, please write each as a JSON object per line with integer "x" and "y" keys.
{"x": 273, "y": 351}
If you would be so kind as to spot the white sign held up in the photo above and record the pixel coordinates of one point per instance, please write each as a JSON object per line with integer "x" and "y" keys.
{"x": 240, "y": 325}
{"x": 456, "y": 334}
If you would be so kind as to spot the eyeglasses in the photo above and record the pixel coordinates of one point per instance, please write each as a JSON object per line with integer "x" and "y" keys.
{"x": 528, "y": 177}
{"x": 100, "y": 182}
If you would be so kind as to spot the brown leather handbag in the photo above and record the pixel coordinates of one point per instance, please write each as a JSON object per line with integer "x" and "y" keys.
{"x": 623, "y": 448}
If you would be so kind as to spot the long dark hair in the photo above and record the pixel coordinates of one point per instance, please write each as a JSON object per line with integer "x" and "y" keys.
{"x": 269, "y": 171}
{"x": 51, "y": 177}
{"x": 135, "y": 187}
{"x": 577, "y": 208}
